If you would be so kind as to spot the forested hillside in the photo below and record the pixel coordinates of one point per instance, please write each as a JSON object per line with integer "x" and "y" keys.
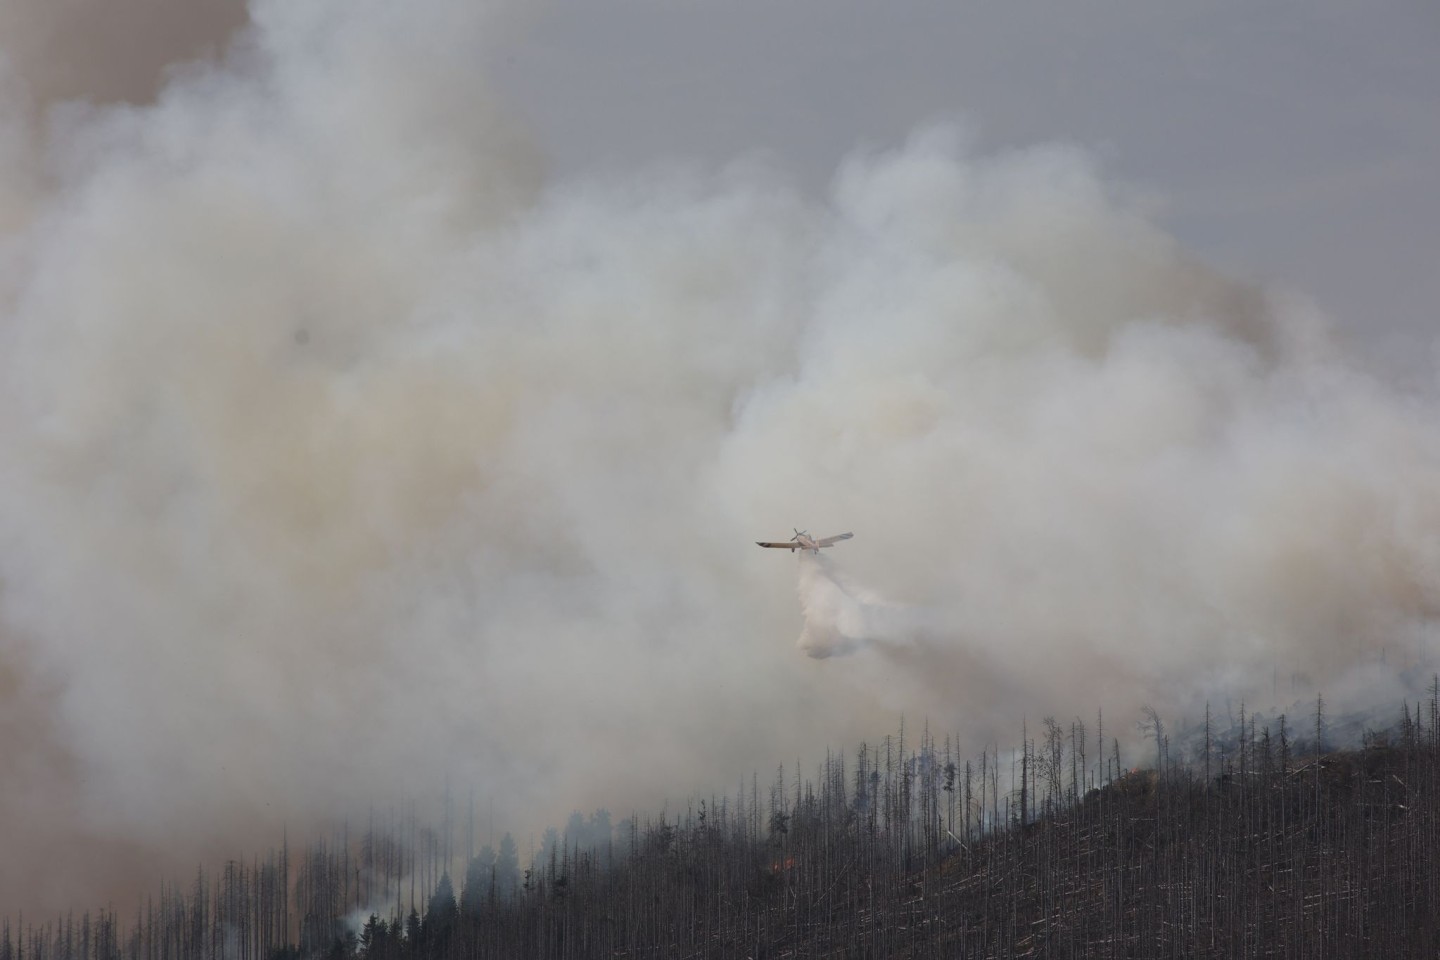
{"x": 1257, "y": 845}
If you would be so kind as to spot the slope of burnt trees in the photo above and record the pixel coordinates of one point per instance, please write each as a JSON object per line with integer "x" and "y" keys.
{"x": 1253, "y": 846}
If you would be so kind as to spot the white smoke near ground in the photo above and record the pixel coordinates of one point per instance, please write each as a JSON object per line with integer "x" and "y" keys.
{"x": 341, "y": 453}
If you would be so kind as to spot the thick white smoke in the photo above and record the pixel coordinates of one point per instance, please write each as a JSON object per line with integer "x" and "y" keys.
{"x": 340, "y": 452}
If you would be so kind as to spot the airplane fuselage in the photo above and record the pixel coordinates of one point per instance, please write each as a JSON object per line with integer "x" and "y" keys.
{"x": 803, "y": 541}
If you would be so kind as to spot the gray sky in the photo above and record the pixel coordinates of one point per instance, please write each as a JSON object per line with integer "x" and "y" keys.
{"x": 1287, "y": 141}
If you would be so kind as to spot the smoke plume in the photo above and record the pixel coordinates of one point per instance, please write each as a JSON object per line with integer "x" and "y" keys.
{"x": 341, "y": 453}
{"x": 107, "y": 52}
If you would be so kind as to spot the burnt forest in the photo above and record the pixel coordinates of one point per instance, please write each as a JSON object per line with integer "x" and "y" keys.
{"x": 1254, "y": 839}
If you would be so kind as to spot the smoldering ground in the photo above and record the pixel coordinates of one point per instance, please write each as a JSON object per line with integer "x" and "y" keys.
{"x": 340, "y": 452}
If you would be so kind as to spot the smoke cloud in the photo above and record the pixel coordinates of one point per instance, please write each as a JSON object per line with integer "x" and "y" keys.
{"x": 342, "y": 453}
{"x": 107, "y": 52}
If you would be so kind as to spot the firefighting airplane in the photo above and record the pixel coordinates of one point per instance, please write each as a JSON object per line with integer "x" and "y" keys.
{"x": 803, "y": 541}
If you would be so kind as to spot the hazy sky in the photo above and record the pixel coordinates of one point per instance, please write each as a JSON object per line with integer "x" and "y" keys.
{"x": 1288, "y": 141}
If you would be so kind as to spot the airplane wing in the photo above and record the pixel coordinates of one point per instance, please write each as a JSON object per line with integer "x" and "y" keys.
{"x": 788, "y": 545}
{"x": 835, "y": 539}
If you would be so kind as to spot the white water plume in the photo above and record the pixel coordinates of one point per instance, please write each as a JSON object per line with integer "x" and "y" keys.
{"x": 842, "y": 617}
